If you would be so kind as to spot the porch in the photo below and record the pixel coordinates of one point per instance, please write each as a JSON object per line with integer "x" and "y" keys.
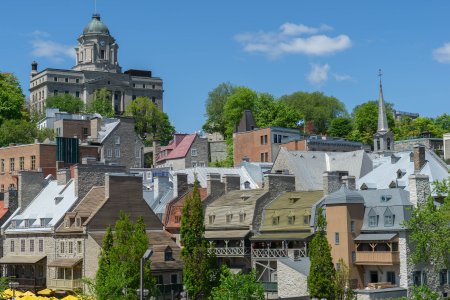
{"x": 27, "y": 270}
{"x": 68, "y": 274}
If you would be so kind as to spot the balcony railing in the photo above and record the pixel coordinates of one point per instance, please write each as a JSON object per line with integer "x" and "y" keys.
{"x": 277, "y": 253}
{"x": 386, "y": 258}
{"x": 64, "y": 284}
{"x": 30, "y": 282}
{"x": 231, "y": 251}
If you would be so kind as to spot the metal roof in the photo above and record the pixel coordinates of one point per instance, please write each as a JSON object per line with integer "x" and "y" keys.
{"x": 221, "y": 234}
{"x": 65, "y": 262}
{"x": 302, "y": 266}
{"x": 344, "y": 196}
{"x": 281, "y": 236}
{"x": 375, "y": 237}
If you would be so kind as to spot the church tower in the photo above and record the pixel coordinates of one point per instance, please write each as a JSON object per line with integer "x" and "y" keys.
{"x": 383, "y": 140}
{"x": 97, "y": 49}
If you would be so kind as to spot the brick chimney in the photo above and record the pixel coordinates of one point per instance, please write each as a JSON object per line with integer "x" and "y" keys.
{"x": 331, "y": 182}
{"x": 419, "y": 188}
{"x": 232, "y": 182}
{"x": 278, "y": 183}
{"x": 418, "y": 157}
{"x": 349, "y": 182}
{"x": 63, "y": 176}
{"x": 123, "y": 185}
{"x": 180, "y": 184}
{"x": 214, "y": 186}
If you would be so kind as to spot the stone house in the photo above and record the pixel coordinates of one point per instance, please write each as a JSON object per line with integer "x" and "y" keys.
{"x": 184, "y": 151}
{"x": 292, "y": 278}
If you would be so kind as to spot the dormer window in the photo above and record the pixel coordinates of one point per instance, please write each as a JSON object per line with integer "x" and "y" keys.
{"x": 291, "y": 219}
{"x": 67, "y": 223}
{"x": 306, "y": 219}
{"x": 117, "y": 140}
{"x": 27, "y": 223}
{"x": 229, "y": 217}
{"x": 246, "y": 185}
{"x": 78, "y": 222}
{"x": 292, "y": 200}
{"x": 13, "y": 224}
{"x": 241, "y": 216}
{"x": 392, "y": 185}
{"x": 177, "y": 219}
{"x": 373, "y": 221}
{"x": 389, "y": 218}
{"x": 275, "y": 220}
{"x": 168, "y": 254}
{"x": 58, "y": 199}
{"x": 212, "y": 218}
{"x": 386, "y": 198}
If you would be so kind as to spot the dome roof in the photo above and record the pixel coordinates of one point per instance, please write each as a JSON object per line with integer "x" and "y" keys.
{"x": 95, "y": 26}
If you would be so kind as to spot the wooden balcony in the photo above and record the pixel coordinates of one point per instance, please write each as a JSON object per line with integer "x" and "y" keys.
{"x": 64, "y": 284}
{"x": 30, "y": 283}
{"x": 278, "y": 253}
{"x": 231, "y": 251}
{"x": 380, "y": 258}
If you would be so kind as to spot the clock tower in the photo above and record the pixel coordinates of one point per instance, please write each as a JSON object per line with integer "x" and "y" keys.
{"x": 97, "y": 49}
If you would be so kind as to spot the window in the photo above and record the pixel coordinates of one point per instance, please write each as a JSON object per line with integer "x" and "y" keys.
{"x": 417, "y": 278}
{"x": 11, "y": 164}
{"x": 153, "y": 86}
{"x": 117, "y": 153}
{"x": 31, "y": 245}
{"x": 85, "y": 131}
{"x": 66, "y": 92}
{"x": 55, "y": 78}
{"x": 3, "y": 165}
{"x": 108, "y": 152}
{"x": 70, "y": 247}
{"x": 291, "y": 220}
{"x": 265, "y": 139}
{"x": 62, "y": 249}
{"x": 143, "y": 86}
{"x": 389, "y": 220}
{"x": 11, "y": 246}
{"x": 67, "y": 223}
{"x": 77, "y": 80}
{"x": 262, "y": 157}
{"x": 275, "y": 220}
{"x": 173, "y": 278}
{"x": 177, "y": 219}
{"x": 212, "y": 219}
{"x": 336, "y": 238}
{"x": 159, "y": 279}
{"x": 78, "y": 222}
{"x": 266, "y": 156}
{"x": 137, "y": 153}
{"x": 66, "y": 79}
{"x": 22, "y": 245}
{"x": 109, "y": 82}
{"x": 353, "y": 257}
{"x": 194, "y": 152}
{"x": 102, "y": 54}
{"x": 41, "y": 245}
{"x": 229, "y": 217}
{"x": 2, "y": 188}
{"x": 117, "y": 140}
{"x": 373, "y": 221}
{"x": 77, "y": 94}
{"x": 153, "y": 99}
{"x": 33, "y": 162}
{"x": 133, "y": 97}
{"x": 168, "y": 255}
{"x": 241, "y": 217}
{"x": 386, "y": 198}
{"x": 390, "y": 276}
{"x": 352, "y": 226}
{"x": 443, "y": 277}
{"x": 134, "y": 84}
{"x": 79, "y": 247}
{"x": 55, "y": 92}
{"x": 306, "y": 219}
{"x": 262, "y": 140}
{"x": 21, "y": 163}
{"x": 42, "y": 222}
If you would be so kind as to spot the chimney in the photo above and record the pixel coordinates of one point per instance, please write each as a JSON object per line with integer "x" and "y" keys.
{"x": 419, "y": 157}
{"x": 30, "y": 184}
{"x": 278, "y": 183}
{"x": 10, "y": 200}
{"x": 95, "y": 127}
{"x": 156, "y": 150}
{"x": 63, "y": 176}
{"x": 232, "y": 182}
{"x": 87, "y": 176}
{"x": 180, "y": 184}
{"x": 331, "y": 182}
{"x": 34, "y": 67}
{"x": 123, "y": 186}
{"x": 160, "y": 186}
{"x": 349, "y": 182}
{"x": 419, "y": 188}
{"x": 214, "y": 186}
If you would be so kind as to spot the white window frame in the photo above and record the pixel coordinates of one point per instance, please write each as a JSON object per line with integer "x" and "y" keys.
{"x": 108, "y": 152}
{"x": 194, "y": 152}
{"x": 117, "y": 139}
{"x": 117, "y": 153}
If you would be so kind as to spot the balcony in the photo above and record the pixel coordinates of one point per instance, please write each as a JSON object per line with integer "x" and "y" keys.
{"x": 278, "y": 253}
{"x": 64, "y": 284}
{"x": 30, "y": 283}
{"x": 380, "y": 258}
{"x": 231, "y": 251}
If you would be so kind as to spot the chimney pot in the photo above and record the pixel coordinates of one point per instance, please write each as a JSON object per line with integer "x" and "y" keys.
{"x": 419, "y": 157}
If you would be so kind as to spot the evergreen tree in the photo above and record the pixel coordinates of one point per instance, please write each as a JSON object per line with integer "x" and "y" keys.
{"x": 200, "y": 271}
{"x": 321, "y": 279}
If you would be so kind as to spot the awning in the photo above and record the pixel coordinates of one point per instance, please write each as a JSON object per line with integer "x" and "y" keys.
{"x": 21, "y": 259}
{"x": 65, "y": 262}
{"x": 367, "y": 237}
{"x": 226, "y": 234}
{"x": 280, "y": 236}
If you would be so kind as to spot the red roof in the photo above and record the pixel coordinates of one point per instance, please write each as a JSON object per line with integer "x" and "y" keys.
{"x": 178, "y": 147}
{"x": 3, "y": 210}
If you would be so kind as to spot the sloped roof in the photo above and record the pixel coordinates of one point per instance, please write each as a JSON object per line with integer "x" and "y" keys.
{"x": 51, "y": 203}
{"x": 3, "y": 210}
{"x": 382, "y": 176}
{"x": 179, "y": 149}
{"x": 309, "y": 166}
{"x": 344, "y": 196}
{"x": 302, "y": 266}
{"x": 375, "y": 236}
{"x": 106, "y": 128}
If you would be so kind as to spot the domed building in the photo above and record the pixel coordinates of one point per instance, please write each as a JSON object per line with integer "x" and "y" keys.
{"x": 96, "y": 67}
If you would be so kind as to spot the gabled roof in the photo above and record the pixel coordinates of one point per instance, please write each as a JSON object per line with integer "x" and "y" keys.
{"x": 302, "y": 266}
{"x": 106, "y": 128}
{"x": 309, "y": 166}
{"x": 178, "y": 147}
{"x": 382, "y": 176}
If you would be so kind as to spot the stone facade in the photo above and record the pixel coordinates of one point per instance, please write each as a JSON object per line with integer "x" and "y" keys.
{"x": 291, "y": 283}
{"x": 435, "y": 144}
{"x": 447, "y": 147}
{"x": 197, "y": 155}
{"x": 322, "y": 144}
{"x": 217, "y": 150}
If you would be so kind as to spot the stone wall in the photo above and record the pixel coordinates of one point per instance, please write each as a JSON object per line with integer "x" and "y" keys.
{"x": 291, "y": 283}
{"x": 30, "y": 185}
{"x": 201, "y": 159}
{"x": 217, "y": 151}
{"x": 447, "y": 146}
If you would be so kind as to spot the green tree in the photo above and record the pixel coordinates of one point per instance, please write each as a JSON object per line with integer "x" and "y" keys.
{"x": 120, "y": 259}
{"x": 340, "y": 127}
{"x": 45, "y": 133}
{"x": 200, "y": 271}
{"x": 215, "y": 106}
{"x": 321, "y": 279}
{"x": 65, "y": 102}
{"x": 271, "y": 112}
{"x": 429, "y": 232}
{"x": 443, "y": 121}
{"x": 343, "y": 289}
{"x": 365, "y": 120}
{"x": 17, "y": 131}
{"x": 242, "y": 98}
{"x": 101, "y": 103}
{"x": 151, "y": 123}
{"x": 12, "y": 99}
{"x": 315, "y": 107}
{"x": 238, "y": 286}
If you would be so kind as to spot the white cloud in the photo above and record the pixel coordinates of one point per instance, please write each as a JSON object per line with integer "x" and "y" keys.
{"x": 318, "y": 74}
{"x": 51, "y": 50}
{"x": 294, "y": 39}
{"x": 342, "y": 77}
{"x": 442, "y": 54}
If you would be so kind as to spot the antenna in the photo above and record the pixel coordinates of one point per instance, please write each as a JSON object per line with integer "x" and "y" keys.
{"x": 380, "y": 74}
{"x": 95, "y": 6}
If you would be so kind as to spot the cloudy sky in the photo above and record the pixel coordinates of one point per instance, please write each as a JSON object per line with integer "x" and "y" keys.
{"x": 270, "y": 46}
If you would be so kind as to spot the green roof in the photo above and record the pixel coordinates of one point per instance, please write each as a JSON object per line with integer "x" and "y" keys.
{"x": 282, "y": 236}
{"x": 96, "y": 26}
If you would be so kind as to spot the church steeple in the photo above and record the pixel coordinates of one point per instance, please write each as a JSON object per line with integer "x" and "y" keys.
{"x": 382, "y": 119}
{"x": 383, "y": 140}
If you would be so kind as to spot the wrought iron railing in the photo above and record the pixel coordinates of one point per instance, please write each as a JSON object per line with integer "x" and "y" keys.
{"x": 231, "y": 251}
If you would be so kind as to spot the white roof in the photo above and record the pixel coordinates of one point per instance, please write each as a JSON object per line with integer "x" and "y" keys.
{"x": 51, "y": 204}
{"x": 386, "y": 173}
{"x": 107, "y": 128}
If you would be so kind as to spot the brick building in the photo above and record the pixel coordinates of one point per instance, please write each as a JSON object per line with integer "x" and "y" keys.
{"x": 80, "y": 129}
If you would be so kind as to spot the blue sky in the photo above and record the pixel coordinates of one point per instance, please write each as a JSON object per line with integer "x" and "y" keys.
{"x": 270, "y": 46}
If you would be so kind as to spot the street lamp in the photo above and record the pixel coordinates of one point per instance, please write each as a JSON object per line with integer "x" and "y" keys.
{"x": 141, "y": 292}
{"x": 13, "y": 285}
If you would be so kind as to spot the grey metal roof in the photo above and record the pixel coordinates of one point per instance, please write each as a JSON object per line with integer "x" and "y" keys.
{"x": 344, "y": 196}
{"x": 301, "y": 266}
{"x": 375, "y": 236}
